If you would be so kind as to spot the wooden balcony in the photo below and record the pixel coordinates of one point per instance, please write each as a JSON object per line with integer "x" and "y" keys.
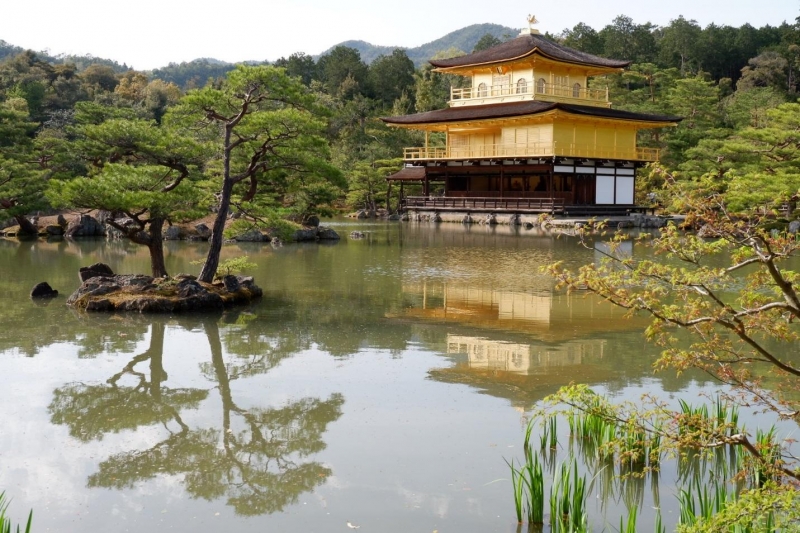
{"x": 516, "y": 150}
{"x": 572, "y": 94}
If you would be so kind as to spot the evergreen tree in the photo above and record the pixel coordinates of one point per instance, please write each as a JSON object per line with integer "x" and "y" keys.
{"x": 260, "y": 122}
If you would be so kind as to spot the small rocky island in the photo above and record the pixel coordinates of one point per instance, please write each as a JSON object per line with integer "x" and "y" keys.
{"x": 104, "y": 291}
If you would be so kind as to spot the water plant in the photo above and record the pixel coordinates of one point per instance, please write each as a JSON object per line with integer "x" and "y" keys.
{"x": 765, "y": 470}
{"x": 619, "y": 455}
{"x": 549, "y": 435}
{"x": 568, "y": 500}
{"x": 629, "y": 526}
{"x": 528, "y": 483}
{"x": 5, "y": 520}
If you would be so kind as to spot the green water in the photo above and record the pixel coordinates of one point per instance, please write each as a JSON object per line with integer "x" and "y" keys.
{"x": 380, "y": 382}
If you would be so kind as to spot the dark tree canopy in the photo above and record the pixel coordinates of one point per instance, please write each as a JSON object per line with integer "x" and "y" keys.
{"x": 486, "y": 42}
{"x": 391, "y": 76}
{"x": 343, "y": 72}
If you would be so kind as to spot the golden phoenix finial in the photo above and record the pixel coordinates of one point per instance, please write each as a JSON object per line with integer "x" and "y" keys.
{"x": 532, "y": 20}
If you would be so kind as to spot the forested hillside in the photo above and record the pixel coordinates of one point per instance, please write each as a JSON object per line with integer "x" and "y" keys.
{"x": 729, "y": 84}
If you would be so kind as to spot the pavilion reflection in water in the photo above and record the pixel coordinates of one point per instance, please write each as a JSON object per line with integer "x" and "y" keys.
{"x": 548, "y": 315}
{"x": 489, "y": 354}
{"x": 524, "y": 346}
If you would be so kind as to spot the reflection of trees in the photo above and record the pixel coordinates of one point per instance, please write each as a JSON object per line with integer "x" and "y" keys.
{"x": 255, "y": 457}
{"x": 90, "y": 411}
{"x": 254, "y": 346}
{"x": 30, "y": 326}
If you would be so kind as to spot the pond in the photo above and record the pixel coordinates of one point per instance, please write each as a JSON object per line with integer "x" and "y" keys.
{"x": 380, "y": 383}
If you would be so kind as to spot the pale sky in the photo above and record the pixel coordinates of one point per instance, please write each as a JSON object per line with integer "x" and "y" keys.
{"x": 148, "y": 34}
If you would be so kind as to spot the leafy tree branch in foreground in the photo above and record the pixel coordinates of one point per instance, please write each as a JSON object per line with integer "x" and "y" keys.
{"x": 735, "y": 297}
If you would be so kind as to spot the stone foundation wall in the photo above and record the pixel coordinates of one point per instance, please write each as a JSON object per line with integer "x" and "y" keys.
{"x": 636, "y": 220}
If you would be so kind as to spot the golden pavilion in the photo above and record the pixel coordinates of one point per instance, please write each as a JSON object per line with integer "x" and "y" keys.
{"x": 528, "y": 135}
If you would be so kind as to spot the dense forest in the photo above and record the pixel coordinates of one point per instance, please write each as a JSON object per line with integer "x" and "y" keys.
{"x": 736, "y": 88}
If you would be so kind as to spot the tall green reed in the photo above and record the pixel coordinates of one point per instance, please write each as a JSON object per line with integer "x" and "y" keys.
{"x": 5, "y": 520}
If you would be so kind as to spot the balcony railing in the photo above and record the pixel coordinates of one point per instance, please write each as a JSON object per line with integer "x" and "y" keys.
{"x": 487, "y": 203}
{"x": 489, "y": 151}
{"x": 530, "y": 91}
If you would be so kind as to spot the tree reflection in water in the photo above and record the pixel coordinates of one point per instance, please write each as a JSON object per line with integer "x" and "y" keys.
{"x": 255, "y": 458}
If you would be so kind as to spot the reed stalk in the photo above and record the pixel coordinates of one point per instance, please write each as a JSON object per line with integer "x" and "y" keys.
{"x": 5, "y": 520}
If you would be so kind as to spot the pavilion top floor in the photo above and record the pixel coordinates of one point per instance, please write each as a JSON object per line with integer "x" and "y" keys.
{"x": 529, "y": 67}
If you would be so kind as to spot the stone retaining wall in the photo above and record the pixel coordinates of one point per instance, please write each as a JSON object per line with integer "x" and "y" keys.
{"x": 635, "y": 220}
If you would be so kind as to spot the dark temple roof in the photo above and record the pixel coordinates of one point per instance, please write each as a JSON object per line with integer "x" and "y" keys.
{"x": 408, "y": 174}
{"x": 517, "y": 109}
{"x": 525, "y": 45}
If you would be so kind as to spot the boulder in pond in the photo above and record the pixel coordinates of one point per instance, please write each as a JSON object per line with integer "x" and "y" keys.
{"x": 305, "y": 235}
{"x": 95, "y": 270}
{"x": 327, "y": 234}
{"x": 43, "y": 290}
{"x": 231, "y": 283}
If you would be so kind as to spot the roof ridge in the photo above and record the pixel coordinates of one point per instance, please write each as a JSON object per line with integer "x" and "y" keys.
{"x": 525, "y": 45}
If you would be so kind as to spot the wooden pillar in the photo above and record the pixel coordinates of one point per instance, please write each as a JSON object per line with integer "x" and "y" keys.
{"x": 402, "y": 196}
{"x": 389, "y": 198}
{"x": 502, "y": 180}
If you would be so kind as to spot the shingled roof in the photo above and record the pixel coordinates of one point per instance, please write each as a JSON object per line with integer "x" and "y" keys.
{"x": 526, "y": 45}
{"x": 517, "y": 109}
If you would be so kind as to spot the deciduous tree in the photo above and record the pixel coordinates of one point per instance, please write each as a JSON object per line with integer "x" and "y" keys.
{"x": 736, "y": 296}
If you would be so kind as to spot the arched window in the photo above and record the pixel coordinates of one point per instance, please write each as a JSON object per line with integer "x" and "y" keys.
{"x": 522, "y": 86}
{"x": 541, "y": 86}
{"x": 576, "y": 90}
{"x": 482, "y": 91}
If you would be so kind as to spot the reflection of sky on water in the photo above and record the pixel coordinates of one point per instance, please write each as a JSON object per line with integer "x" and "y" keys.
{"x": 438, "y": 340}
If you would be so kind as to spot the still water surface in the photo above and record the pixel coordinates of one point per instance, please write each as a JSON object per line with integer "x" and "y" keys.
{"x": 380, "y": 382}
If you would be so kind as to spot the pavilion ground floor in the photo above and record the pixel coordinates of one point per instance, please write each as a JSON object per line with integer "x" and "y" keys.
{"x": 557, "y": 186}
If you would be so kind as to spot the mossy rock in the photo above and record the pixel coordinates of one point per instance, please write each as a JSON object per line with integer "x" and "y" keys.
{"x": 144, "y": 294}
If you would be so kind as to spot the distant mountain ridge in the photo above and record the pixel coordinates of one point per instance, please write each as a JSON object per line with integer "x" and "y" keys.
{"x": 202, "y": 68}
{"x": 81, "y": 62}
{"x": 464, "y": 39}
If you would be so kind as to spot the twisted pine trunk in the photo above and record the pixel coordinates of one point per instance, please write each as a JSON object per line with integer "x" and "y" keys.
{"x": 155, "y": 245}
{"x": 209, "y": 269}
